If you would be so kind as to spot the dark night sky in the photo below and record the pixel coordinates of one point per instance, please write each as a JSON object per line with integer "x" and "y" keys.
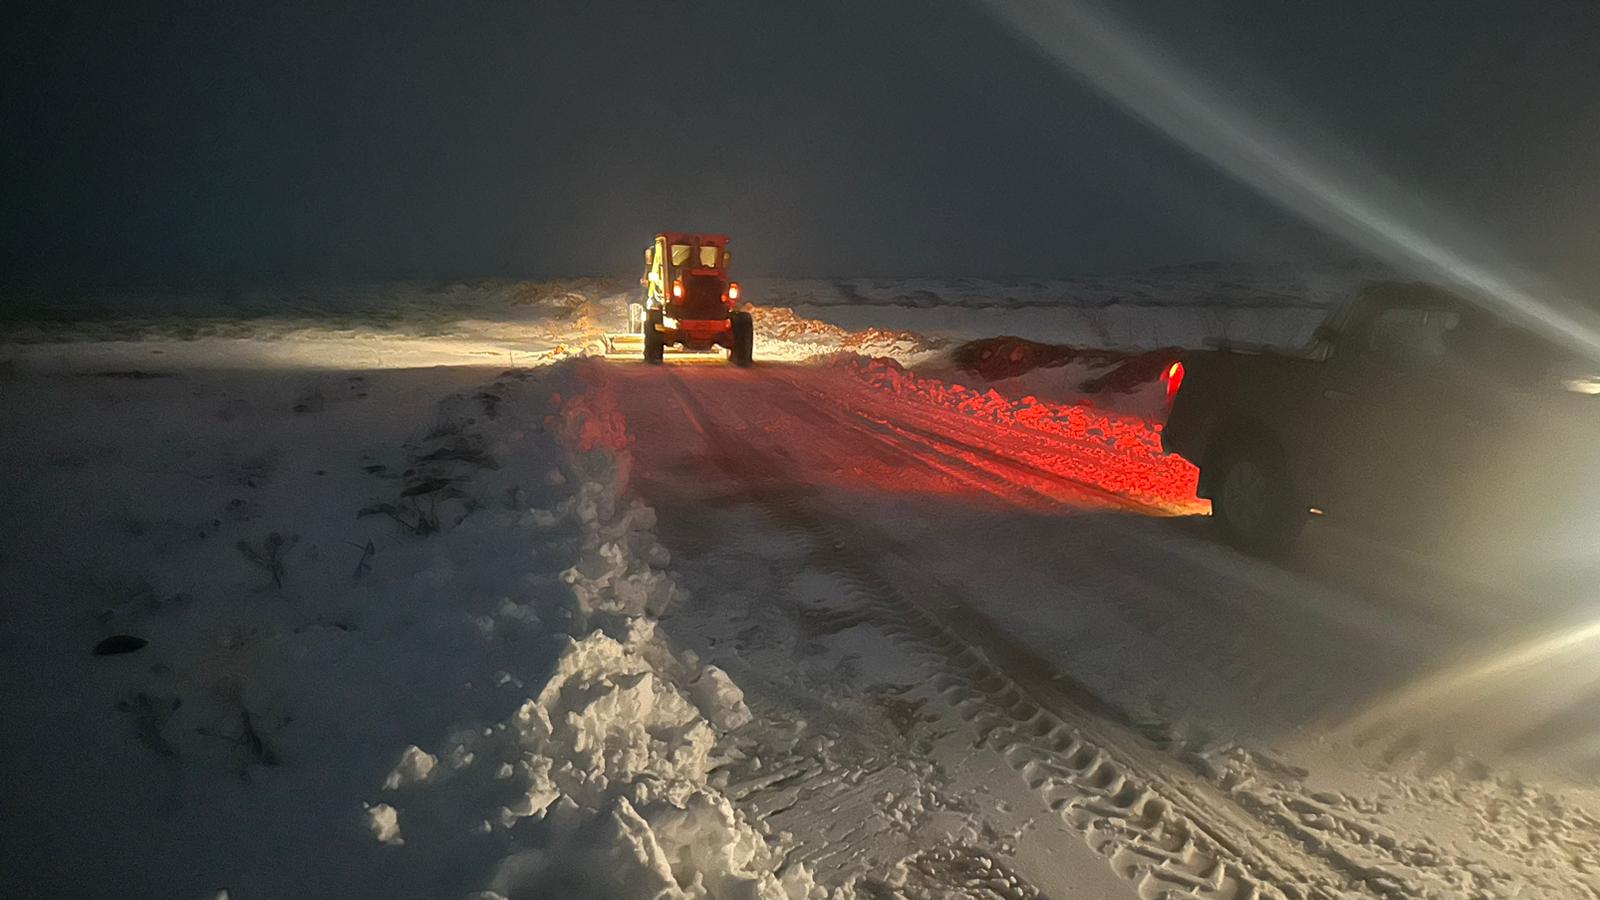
{"x": 228, "y": 139}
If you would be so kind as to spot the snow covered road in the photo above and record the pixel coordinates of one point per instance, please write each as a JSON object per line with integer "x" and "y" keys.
{"x": 1017, "y": 590}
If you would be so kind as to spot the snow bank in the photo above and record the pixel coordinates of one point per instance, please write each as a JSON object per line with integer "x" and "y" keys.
{"x": 1116, "y": 452}
{"x": 782, "y": 334}
{"x": 615, "y": 755}
{"x": 600, "y": 781}
{"x": 654, "y": 844}
{"x": 1128, "y": 381}
{"x": 620, "y": 572}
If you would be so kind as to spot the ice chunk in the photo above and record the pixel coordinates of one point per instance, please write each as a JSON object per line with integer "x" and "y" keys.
{"x": 415, "y": 766}
{"x": 720, "y": 699}
{"x": 384, "y": 821}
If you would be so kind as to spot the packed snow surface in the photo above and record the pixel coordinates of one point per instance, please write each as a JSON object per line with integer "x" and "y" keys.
{"x": 377, "y": 591}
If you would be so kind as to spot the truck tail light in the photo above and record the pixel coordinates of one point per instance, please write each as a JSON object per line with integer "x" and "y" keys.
{"x": 733, "y": 290}
{"x": 677, "y": 290}
{"x": 1172, "y": 377}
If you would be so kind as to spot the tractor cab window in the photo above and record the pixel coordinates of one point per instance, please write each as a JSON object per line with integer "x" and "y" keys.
{"x": 681, "y": 254}
{"x": 708, "y": 256}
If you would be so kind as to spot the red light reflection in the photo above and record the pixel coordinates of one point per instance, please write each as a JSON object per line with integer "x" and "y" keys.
{"x": 872, "y": 427}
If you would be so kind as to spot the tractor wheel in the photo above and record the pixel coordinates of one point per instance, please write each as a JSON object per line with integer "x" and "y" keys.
{"x": 743, "y": 352}
{"x": 1252, "y": 502}
{"x": 655, "y": 344}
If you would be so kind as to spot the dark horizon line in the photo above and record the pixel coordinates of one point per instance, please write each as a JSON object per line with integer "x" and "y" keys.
{"x": 201, "y": 279}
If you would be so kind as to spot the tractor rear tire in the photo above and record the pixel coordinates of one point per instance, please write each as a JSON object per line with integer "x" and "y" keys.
{"x": 743, "y": 351}
{"x": 655, "y": 344}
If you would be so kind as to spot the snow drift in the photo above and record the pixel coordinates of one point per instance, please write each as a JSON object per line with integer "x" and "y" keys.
{"x": 601, "y": 779}
{"x": 1115, "y": 452}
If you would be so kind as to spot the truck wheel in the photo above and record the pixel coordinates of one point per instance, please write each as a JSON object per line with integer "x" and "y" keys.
{"x": 1252, "y": 502}
{"x": 743, "y": 351}
{"x": 655, "y": 343}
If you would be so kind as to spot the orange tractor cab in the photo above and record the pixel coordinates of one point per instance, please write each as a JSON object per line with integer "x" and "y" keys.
{"x": 688, "y": 299}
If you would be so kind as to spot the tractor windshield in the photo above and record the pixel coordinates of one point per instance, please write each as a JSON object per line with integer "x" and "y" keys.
{"x": 705, "y": 256}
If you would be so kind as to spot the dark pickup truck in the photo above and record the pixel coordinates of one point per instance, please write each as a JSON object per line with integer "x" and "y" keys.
{"x": 1415, "y": 417}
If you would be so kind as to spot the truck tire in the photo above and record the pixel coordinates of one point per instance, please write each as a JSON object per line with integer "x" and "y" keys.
{"x": 1252, "y": 501}
{"x": 743, "y": 351}
{"x": 655, "y": 343}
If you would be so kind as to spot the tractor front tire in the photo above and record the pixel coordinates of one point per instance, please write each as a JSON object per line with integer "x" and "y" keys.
{"x": 655, "y": 343}
{"x": 743, "y": 351}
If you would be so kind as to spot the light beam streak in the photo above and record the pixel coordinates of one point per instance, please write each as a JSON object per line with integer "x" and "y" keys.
{"x": 1362, "y": 208}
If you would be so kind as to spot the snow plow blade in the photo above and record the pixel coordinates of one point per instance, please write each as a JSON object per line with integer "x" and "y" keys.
{"x": 631, "y": 346}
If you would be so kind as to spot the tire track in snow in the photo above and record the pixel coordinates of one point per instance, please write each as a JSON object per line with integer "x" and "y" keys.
{"x": 1168, "y": 836}
{"x": 1366, "y": 856}
{"x": 1017, "y": 482}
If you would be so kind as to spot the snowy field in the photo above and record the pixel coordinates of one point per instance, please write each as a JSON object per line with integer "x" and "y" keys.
{"x": 1175, "y": 306}
{"x": 344, "y": 326}
{"x": 244, "y": 599}
{"x": 399, "y": 590}
{"x": 1183, "y": 305}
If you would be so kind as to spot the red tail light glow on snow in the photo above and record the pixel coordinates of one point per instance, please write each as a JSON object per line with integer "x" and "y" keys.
{"x": 967, "y": 444}
{"x": 1173, "y": 377}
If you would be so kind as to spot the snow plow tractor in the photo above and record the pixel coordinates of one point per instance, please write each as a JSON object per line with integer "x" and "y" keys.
{"x": 688, "y": 302}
